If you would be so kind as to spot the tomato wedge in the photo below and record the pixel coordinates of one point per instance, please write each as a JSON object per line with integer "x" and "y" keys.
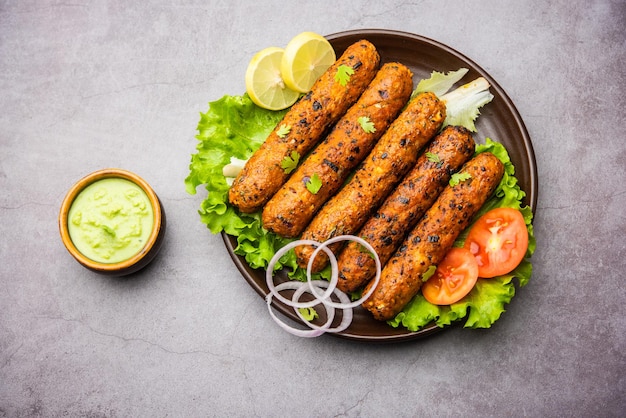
{"x": 498, "y": 240}
{"x": 454, "y": 278}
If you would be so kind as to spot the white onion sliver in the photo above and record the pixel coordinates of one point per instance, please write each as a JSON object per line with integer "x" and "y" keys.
{"x": 335, "y": 271}
{"x": 311, "y": 286}
{"x": 330, "y": 311}
{"x": 269, "y": 276}
{"x": 300, "y": 288}
{"x": 292, "y": 330}
{"x": 348, "y": 314}
{"x": 315, "y": 330}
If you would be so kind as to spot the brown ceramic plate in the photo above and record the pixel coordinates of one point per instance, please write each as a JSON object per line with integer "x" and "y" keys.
{"x": 499, "y": 120}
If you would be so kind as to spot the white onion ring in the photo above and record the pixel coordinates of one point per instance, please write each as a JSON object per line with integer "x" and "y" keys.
{"x": 312, "y": 287}
{"x": 314, "y": 331}
{"x": 347, "y": 315}
{"x": 335, "y": 270}
{"x": 269, "y": 277}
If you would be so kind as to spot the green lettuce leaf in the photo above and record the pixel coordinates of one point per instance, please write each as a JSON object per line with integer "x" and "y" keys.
{"x": 439, "y": 83}
{"x": 463, "y": 103}
{"x": 233, "y": 126}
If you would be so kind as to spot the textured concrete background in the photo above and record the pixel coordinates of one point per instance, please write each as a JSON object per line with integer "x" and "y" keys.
{"x": 87, "y": 85}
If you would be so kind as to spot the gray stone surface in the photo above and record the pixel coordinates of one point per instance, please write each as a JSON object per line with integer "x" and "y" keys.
{"x": 87, "y": 85}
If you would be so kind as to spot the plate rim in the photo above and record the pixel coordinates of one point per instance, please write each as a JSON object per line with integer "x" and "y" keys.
{"x": 401, "y": 334}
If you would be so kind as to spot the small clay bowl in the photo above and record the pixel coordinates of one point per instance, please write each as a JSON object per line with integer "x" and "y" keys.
{"x": 152, "y": 244}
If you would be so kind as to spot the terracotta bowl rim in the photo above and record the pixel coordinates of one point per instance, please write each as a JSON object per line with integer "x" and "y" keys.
{"x": 78, "y": 187}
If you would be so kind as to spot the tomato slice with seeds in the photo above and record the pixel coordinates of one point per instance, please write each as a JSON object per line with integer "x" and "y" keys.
{"x": 454, "y": 278}
{"x": 498, "y": 240}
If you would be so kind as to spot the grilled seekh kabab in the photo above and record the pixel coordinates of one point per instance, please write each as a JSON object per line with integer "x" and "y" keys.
{"x": 389, "y": 161}
{"x": 427, "y": 244}
{"x": 304, "y": 124}
{"x": 399, "y": 213}
{"x": 291, "y": 209}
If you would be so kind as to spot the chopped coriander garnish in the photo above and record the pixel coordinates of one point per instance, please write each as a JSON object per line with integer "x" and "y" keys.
{"x": 283, "y": 130}
{"x": 314, "y": 184}
{"x": 343, "y": 74}
{"x": 308, "y": 314}
{"x": 459, "y": 177}
{"x": 290, "y": 162}
{"x": 433, "y": 158}
{"x": 366, "y": 124}
{"x": 363, "y": 249}
{"x": 429, "y": 273}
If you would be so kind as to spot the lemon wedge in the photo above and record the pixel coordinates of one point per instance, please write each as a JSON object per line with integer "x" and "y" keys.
{"x": 306, "y": 57}
{"x": 264, "y": 83}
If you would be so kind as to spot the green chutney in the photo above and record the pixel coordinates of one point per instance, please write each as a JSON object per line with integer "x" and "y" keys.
{"x": 110, "y": 220}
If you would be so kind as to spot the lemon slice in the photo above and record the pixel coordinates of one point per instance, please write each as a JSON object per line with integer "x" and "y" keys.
{"x": 264, "y": 83}
{"x": 306, "y": 58}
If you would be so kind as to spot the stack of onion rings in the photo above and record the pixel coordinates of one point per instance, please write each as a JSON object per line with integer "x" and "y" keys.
{"x": 316, "y": 288}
